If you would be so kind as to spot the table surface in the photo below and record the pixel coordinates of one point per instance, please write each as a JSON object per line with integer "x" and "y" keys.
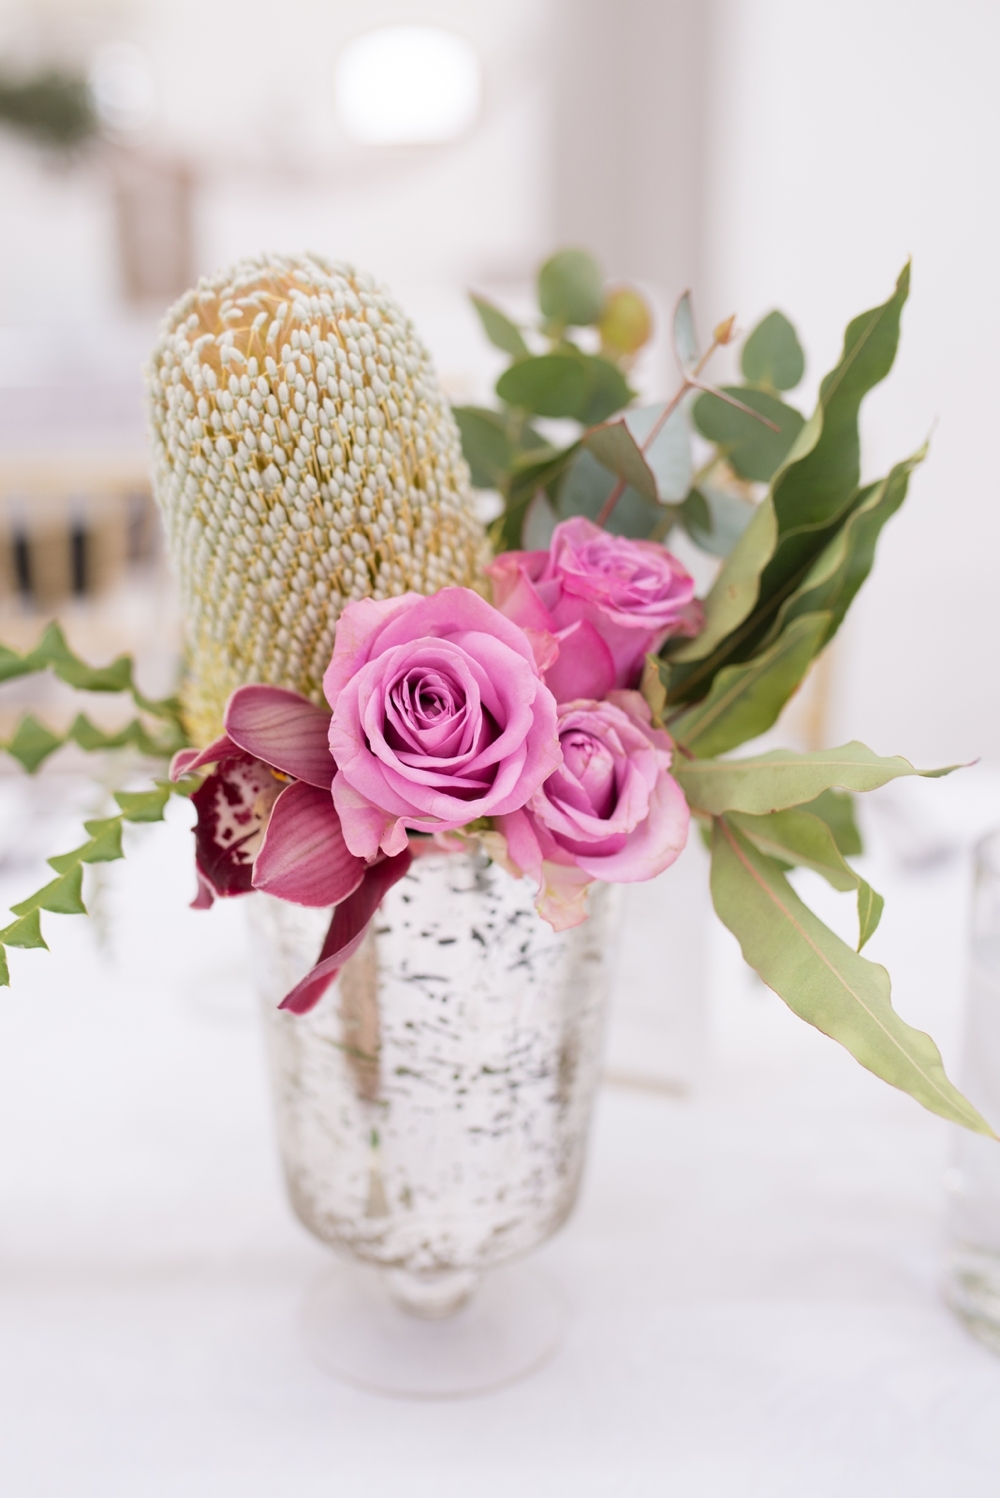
{"x": 753, "y": 1268}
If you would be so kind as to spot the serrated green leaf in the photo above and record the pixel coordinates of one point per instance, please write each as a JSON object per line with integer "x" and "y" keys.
{"x": 53, "y": 651}
{"x": 26, "y": 932}
{"x": 772, "y": 355}
{"x": 13, "y": 665}
{"x": 795, "y": 836}
{"x": 836, "y": 809}
{"x": 4, "y": 969}
{"x": 614, "y": 446}
{"x": 32, "y": 743}
{"x": 502, "y": 333}
{"x": 486, "y": 447}
{"x": 106, "y": 840}
{"x": 144, "y": 806}
{"x": 812, "y": 496}
{"x": 822, "y": 980}
{"x": 753, "y": 450}
{"x": 769, "y": 782}
{"x": 571, "y": 289}
{"x": 89, "y": 737}
{"x": 746, "y": 700}
{"x": 669, "y": 453}
{"x": 63, "y": 896}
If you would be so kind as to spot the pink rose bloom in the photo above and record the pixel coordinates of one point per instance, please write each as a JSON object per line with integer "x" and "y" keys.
{"x": 606, "y": 600}
{"x": 610, "y": 811}
{"x": 440, "y": 716}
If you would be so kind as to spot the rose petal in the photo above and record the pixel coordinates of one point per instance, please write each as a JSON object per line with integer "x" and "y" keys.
{"x": 584, "y": 666}
{"x": 284, "y": 730}
{"x": 303, "y": 857}
{"x": 347, "y": 932}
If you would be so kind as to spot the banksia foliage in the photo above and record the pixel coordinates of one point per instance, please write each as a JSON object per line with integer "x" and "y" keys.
{"x": 303, "y": 455}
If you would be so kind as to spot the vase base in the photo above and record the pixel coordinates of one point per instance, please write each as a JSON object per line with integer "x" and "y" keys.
{"x": 356, "y": 1330}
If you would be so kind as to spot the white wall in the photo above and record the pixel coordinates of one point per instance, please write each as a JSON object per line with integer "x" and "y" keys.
{"x": 846, "y": 137}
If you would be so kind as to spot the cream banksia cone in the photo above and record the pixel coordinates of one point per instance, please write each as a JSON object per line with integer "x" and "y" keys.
{"x": 303, "y": 455}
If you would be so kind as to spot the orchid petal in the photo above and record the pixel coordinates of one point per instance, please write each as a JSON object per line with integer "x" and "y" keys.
{"x": 284, "y": 730}
{"x": 186, "y": 760}
{"x": 347, "y": 932}
{"x": 303, "y": 857}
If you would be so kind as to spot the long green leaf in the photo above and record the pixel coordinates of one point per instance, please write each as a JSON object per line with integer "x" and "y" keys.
{"x": 822, "y": 980}
{"x": 745, "y": 701}
{"x": 811, "y": 497}
{"x": 796, "y": 836}
{"x": 770, "y": 782}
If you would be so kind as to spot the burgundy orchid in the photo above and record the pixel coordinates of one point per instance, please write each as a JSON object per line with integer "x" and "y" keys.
{"x": 266, "y": 821}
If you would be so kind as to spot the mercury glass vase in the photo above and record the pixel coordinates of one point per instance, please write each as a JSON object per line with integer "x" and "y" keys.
{"x": 972, "y": 1280}
{"x": 433, "y": 1109}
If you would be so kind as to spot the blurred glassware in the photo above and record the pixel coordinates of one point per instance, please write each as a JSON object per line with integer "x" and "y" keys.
{"x": 408, "y": 85}
{"x": 972, "y": 1284}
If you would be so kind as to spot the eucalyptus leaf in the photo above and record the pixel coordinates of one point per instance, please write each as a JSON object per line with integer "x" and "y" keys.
{"x": 822, "y": 980}
{"x": 614, "y": 446}
{"x": 752, "y": 449}
{"x": 502, "y": 333}
{"x": 669, "y": 453}
{"x": 607, "y": 392}
{"x": 685, "y": 338}
{"x": 746, "y": 700}
{"x": 728, "y": 517}
{"x": 772, "y": 355}
{"x": 530, "y": 473}
{"x": 540, "y": 521}
{"x": 586, "y": 486}
{"x": 485, "y": 445}
{"x": 571, "y": 289}
{"x": 548, "y": 385}
{"x": 770, "y": 782}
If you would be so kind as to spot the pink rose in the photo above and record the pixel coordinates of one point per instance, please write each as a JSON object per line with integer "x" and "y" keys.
{"x": 440, "y": 716}
{"x": 607, "y": 600}
{"x": 610, "y": 811}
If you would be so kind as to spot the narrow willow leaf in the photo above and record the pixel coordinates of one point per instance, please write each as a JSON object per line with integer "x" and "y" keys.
{"x": 685, "y": 338}
{"x": 144, "y": 806}
{"x": 669, "y": 452}
{"x": 770, "y": 782}
{"x": 772, "y": 355}
{"x": 485, "y": 445}
{"x": 32, "y": 743}
{"x": 812, "y": 495}
{"x": 502, "y": 333}
{"x": 752, "y": 449}
{"x": 822, "y": 980}
{"x": 839, "y": 571}
{"x": 614, "y": 446}
{"x": 571, "y": 289}
{"x": 795, "y": 836}
{"x": 26, "y": 932}
{"x": 870, "y": 907}
{"x": 836, "y": 809}
{"x": 745, "y": 701}
{"x": 64, "y": 896}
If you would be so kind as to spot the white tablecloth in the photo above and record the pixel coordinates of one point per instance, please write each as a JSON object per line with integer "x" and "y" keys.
{"x": 753, "y": 1268}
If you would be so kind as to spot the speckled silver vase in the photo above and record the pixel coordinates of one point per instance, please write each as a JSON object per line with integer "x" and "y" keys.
{"x": 433, "y": 1109}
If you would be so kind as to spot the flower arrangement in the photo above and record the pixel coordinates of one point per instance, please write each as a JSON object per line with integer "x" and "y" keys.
{"x": 368, "y": 680}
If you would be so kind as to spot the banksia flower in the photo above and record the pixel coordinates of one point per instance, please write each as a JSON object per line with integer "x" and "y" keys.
{"x": 303, "y": 456}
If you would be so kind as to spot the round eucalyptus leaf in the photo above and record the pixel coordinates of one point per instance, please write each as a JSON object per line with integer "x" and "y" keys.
{"x": 754, "y": 450}
{"x": 571, "y": 289}
{"x": 772, "y": 355}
